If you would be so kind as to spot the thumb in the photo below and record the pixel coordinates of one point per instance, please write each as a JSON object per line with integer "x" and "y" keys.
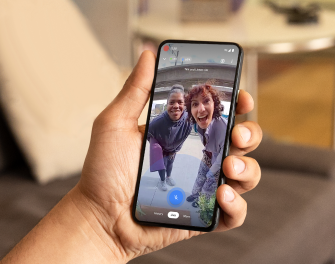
{"x": 129, "y": 103}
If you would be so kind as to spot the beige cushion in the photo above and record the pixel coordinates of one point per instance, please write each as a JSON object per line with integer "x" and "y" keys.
{"x": 55, "y": 79}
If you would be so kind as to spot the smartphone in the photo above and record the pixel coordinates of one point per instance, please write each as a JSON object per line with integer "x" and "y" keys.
{"x": 190, "y": 118}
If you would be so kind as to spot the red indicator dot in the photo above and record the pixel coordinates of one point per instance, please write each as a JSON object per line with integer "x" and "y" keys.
{"x": 166, "y": 48}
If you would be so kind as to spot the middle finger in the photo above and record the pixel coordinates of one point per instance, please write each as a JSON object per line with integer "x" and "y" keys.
{"x": 245, "y": 137}
{"x": 242, "y": 173}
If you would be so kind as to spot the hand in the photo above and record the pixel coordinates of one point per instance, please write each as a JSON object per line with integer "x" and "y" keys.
{"x": 210, "y": 174}
{"x": 171, "y": 155}
{"x": 105, "y": 192}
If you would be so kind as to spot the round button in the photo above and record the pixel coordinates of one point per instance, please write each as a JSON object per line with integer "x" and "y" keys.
{"x": 176, "y": 197}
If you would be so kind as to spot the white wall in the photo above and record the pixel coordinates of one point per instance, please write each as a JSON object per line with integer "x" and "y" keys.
{"x": 109, "y": 20}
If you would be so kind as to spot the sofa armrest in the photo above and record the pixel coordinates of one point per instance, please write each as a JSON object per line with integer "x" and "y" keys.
{"x": 281, "y": 156}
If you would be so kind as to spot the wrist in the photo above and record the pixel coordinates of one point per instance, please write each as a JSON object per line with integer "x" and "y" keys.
{"x": 209, "y": 174}
{"x": 68, "y": 234}
{"x": 94, "y": 227}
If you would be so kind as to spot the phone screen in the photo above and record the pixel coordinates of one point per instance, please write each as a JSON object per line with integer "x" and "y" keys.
{"x": 185, "y": 140}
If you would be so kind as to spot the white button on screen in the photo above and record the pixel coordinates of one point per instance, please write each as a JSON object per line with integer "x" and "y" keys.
{"x": 174, "y": 215}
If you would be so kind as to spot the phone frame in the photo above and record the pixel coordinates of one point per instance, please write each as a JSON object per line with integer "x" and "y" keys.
{"x": 230, "y": 125}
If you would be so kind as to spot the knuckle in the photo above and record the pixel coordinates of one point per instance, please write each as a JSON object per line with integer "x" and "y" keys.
{"x": 255, "y": 171}
{"x": 239, "y": 217}
{"x": 242, "y": 215}
{"x": 254, "y": 128}
{"x": 98, "y": 121}
{"x": 252, "y": 163}
{"x": 254, "y": 174}
{"x": 257, "y": 131}
{"x": 101, "y": 122}
{"x": 259, "y": 174}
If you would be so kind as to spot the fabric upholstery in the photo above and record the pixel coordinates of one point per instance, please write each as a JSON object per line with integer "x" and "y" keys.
{"x": 290, "y": 217}
{"x": 290, "y": 220}
{"x": 23, "y": 203}
{"x": 278, "y": 155}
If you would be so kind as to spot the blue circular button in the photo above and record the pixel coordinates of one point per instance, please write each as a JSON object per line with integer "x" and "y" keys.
{"x": 176, "y": 197}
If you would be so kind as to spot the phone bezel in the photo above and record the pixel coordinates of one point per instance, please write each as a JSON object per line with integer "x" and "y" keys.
{"x": 231, "y": 121}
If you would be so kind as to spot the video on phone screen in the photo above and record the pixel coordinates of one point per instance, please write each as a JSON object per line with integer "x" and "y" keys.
{"x": 186, "y": 134}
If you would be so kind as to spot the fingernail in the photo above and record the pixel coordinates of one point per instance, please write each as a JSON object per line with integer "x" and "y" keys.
{"x": 245, "y": 132}
{"x": 239, "y": 165}
{"x": 229, "y": 196}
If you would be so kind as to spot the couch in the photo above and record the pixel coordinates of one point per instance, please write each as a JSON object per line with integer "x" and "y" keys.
{"x": 290, "y": 214}
{"x": 52, "y": 85}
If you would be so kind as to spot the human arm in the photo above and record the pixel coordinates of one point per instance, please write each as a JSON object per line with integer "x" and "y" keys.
{"x": 93, "y": 223}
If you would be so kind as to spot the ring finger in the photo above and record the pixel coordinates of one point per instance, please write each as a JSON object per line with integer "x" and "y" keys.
{"x": 245, "y": 137}
{"x": 242, "y": 173}
{"x": 234, "y": 208}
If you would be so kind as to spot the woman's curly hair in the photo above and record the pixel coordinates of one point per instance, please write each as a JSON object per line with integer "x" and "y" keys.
{"x": 203, "y": 89}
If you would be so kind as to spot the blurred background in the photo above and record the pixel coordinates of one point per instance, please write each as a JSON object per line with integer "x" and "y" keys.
{"x": 62, "y": 62}
{"x": 295, "y": 88}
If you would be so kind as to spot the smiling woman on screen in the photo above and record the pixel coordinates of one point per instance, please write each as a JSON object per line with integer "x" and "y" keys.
{"x": 167, "y": 134}
{"x": 203, "y": 102}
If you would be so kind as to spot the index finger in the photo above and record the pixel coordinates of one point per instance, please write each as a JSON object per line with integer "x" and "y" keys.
{"x": 245, "y": 103}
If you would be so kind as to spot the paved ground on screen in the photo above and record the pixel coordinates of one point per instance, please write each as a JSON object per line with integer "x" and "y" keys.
{"x": 184, "y": 172}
